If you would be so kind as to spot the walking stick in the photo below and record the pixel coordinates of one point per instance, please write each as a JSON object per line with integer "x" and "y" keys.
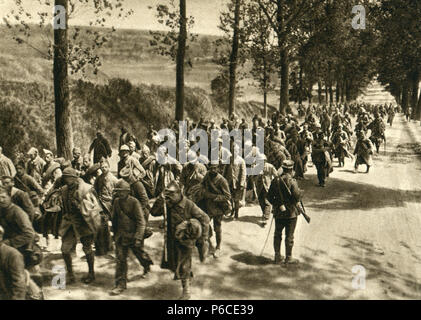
{"x": 384, "y": 144}
{"x": 267, "y": 237}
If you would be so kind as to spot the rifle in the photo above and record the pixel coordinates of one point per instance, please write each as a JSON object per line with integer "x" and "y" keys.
{"x": 300, "y": 206}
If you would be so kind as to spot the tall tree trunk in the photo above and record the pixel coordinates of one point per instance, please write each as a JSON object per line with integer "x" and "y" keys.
{"x": 326, "y": 94}
{"x": 64, "y": 134}
{"x": 405, "y": 95}
{"x": 283, "y": 59}
{"x": 343, "y": 91}
{"x": 284, "y": 94}
{"x": 300, "y": 86}
{"x": 310, "y": 95}
{"x": 181, "y": 53}
{"x": 419, "y": 103}
{"x": 234, "y": 58}
{"x": 414, "y": 99}
{"x": 265, "y": 87}
{"x": 337, "y": 93}
{"x": 330, "y": 93}
{"x": 319, "y": 91}
{"x": 265, "y": 104}
{"x": 347, "y": 91}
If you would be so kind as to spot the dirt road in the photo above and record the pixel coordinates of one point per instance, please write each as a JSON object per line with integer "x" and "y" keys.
{"x": 369, "y": 220}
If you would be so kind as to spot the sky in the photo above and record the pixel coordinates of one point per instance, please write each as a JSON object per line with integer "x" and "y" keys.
{"x": 205, "y": 12}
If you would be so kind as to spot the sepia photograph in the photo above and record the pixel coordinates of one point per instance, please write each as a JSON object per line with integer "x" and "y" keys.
{"x": 222, "y": 150}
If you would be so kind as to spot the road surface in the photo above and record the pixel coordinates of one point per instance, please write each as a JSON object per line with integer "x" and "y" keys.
{"x": 364, "y": 242}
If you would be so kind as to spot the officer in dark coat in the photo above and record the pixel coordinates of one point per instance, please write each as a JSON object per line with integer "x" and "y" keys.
{"x": 129, "y": 226}
{"x": 101, "y": 148}
{"x": 181, "y": 233}
{"x": 285, "y": 210}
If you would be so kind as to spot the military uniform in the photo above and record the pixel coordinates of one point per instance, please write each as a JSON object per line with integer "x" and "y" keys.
{"x": 81, "y": 220}
{"x": 129, "y": 226}
{"x": 22, "y": 200}
{"x": 178, "y": 258}
{"x": 18, "y": 230}
{"x": 28, "y": 184}
{"x": 263, "y": 182}
{"x": 217, "y": 202}
{"x": 6, "y": 167}
{"x": 285, "y": 210}
{"x": 192, "y": 175}
{"x": 104, "y": 186}
{"x": 12, "y": 274}
{"x": 235, "y": 174}
{"x": 101, "y": 148}
{"x": 35, "y": 168}
{"x": 320, "y": 159}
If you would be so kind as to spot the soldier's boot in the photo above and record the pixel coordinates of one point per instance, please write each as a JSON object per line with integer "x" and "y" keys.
{"x": 289, "y": 259}
{"x": 277, "y": 249}
{"x": 118, "y": 289}
{"x": 236, "y": 210}
{"x": 90, "y": 258}
{"x": 278, "y": 258}
{"x": 70, "y": 277}
{"x": 368, "y": 169}
{"x": 186, "y": 295}
{"x": 217, "y": 252}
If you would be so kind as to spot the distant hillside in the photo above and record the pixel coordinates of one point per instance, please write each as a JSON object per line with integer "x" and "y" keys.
{"x": 27, "y": 117}
{"x": 127, "y": 55}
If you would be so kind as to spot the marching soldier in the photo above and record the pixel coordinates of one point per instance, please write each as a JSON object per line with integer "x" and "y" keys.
{"x": 320, "y": 158}
{"x": 340, "y": 142}
{"x": 186, "y": 226}
{"x": 217, "y": 198}
{"x": 363, "y": 151}
{"x": 235, "y": 174}
{"x": 263, "y": 182}
{"x": 104, "y": 186}
{"x": 377, "y": 128}
{"x": 284, "y": 194}
{"x": 129, "y": 225}
{"x": 81, "y": 220}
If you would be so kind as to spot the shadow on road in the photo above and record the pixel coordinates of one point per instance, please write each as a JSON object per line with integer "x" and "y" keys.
{"x": 345, "y": 195}
{"x": 251, "y": 259}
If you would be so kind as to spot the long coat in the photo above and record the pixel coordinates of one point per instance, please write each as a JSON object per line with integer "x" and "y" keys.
{"x": 128, "y": 220}
{"x": 176, "y": 214}
{"x": 217, "y": 195}
{"x": 101, "y": 149}
{"x": 363, "y": 151}
{"x": 81, "y": 210}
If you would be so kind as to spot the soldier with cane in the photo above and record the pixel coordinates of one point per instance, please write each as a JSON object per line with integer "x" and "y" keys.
{"x": 284, "y": 195}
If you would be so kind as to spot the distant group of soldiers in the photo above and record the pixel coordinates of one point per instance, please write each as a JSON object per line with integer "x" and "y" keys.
{"x": 84, "y": 201}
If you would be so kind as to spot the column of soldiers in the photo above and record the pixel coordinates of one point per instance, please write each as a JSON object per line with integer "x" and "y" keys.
{"x": 84, "y": 201}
